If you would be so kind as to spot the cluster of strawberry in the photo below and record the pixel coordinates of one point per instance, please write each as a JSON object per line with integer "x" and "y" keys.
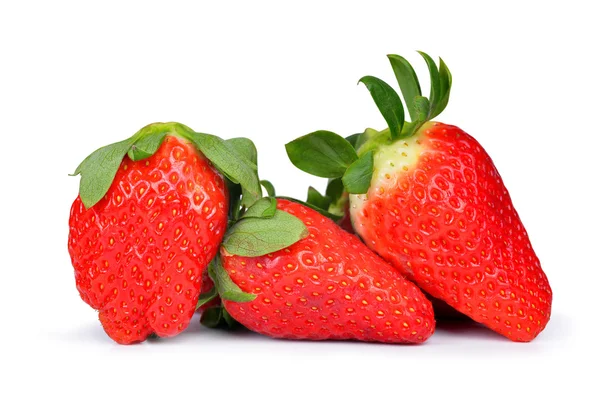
{"x": 171, "y": 221}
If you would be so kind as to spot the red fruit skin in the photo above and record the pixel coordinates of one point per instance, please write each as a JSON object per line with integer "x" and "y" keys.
{"x": 140, "y": 252}
{"x": 327, "y": 286}
{"x": 448, "y": 223}
{"x": 440, "y": 308}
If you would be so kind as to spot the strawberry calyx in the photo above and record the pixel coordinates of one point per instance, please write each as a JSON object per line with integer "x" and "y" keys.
{"x": 420, "y": 108}
{"x": 226, "y": 288}
{"x": 217, "y": 316}
{"x": 207, "y": 297}
{"x": 326, "y": 154}
{"x": 263, "y": 229}
{"x": 229, "y": 157}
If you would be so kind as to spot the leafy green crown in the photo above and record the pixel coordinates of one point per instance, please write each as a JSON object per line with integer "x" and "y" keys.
{"x": 350, "y": 160}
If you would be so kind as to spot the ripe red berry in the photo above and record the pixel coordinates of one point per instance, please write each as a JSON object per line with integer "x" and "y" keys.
{"x": 328, "y": 285}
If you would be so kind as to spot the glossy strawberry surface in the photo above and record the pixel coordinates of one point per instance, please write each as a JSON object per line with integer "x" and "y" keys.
{"x": 327, "y": 286}
{"x": 140, "y": 252}
{"x": 437, "y": 209}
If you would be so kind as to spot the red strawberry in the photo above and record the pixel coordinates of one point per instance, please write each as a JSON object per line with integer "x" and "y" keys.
{"x": 328, "y": 285}
{"x": 342, "y": 205}
{"x": 140, "y": 247}
{"x": 428, "y": 199}
{"x": 447, "y": 222}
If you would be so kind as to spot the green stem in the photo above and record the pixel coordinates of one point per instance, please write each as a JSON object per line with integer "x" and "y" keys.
{"x": 377, "y": 139}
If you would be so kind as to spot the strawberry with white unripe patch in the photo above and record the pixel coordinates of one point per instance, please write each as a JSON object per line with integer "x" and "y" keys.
{"x": 428, "y": 199}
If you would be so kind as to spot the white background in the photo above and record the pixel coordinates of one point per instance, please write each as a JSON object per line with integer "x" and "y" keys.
{"x": 76, "y": 76}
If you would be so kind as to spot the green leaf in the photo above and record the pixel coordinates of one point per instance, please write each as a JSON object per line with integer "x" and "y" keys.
{"x": 353, "y": 139}
{"x": 434, "y": 75}
{"x": 230, "y": 321}
{"x": 146, "y": 146}
{"x": 445, "y": 85}
{"x": 317, "y": 199}
{"x": 206, "y": 297}
{"x": 321, "y": 211}
{"x": 388, "y": 102}
{"x": 357, "y": 178}
{"x": 321, "y": 153}
{"x": 245, "y": 147}
{"x": 421, "y": 108}
{"x": 211, "y": 317}
{"x": 248, "y": 198}
{"x": 235, "y": 199}
{"x": 225, "y": 286}
{"x": 259, "y": 236}
{"x": 99, "y": 169}
{"x": 408, "y": 82}
{"x": 364, "y": 137}
{"x": 268, "y": 187}
{"x": 232, "y": 162}
{"x": 335, "y": 189}
{"x": 218, "y": 317}
{"x": 263, "y": 208}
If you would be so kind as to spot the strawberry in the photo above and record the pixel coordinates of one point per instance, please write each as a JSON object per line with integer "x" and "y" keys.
{"x": 327, "y": 285}
{"x": 427, "y": 197}
{"x": 145, "y": 226}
